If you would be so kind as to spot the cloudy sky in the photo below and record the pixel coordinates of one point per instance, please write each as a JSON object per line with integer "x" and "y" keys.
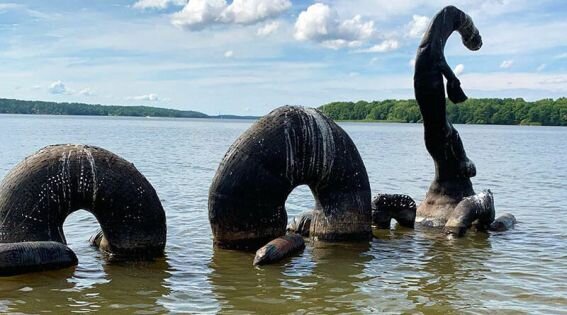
{"x": 250, "y": 56}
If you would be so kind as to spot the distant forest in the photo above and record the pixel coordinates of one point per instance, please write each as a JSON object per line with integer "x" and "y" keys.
{"x": 10, "y": 106}
{"x": 508, "y": 111}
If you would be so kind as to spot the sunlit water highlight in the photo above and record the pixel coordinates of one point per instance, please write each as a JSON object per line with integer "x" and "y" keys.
{"x": 524, "y": 270}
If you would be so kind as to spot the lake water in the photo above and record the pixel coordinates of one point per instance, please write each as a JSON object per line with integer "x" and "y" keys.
{"x": 400, "y": 271}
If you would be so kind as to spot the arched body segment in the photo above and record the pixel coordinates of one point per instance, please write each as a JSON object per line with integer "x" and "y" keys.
{"x": 40, "y": 192}
{"x": 290, "y": 146}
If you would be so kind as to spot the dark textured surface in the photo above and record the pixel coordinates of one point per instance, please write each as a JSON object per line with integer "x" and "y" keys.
{"x": 279, "y": 249}
{"x": 40, "y": 192}
{"x": 23, "y": 257}
{"x": 503, "y": 223}
{"x": 290, "y": 146}
{"x": 301, "y": 224}
{"x": 477, "y": 209}
{"x": 386, "y": 207}
{"x": 452, "y": 166}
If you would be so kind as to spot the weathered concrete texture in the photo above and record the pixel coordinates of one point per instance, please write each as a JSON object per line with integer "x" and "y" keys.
{"x": 279, "y": 249}
{"x": 386, "y": 207}
{"x": 452, "y": 166}
{"x": 505, "y": 222}
{"x": 40, "y": 192}
{"x": 290, "y": 146}
{"x": 24, "y": 257}
{"x": 477, "y": 209}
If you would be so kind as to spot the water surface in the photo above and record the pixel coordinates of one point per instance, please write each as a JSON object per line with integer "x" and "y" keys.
{"x": 401, "y": 270}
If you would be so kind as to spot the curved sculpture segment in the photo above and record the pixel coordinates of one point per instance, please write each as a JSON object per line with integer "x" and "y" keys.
{"x": 40, "y": 192}
{"x": 18, "y": 258}
{"x": 290, "y": 146}
{"x": 452, "y": 166}
{"x": 386, "y": 207}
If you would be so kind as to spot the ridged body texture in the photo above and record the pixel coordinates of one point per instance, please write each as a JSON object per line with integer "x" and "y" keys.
{"x": 290, "y": 146}
{"x": 40, "y": 192}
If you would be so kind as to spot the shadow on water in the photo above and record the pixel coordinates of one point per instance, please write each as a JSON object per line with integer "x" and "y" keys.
{"x": 324, "y": 278}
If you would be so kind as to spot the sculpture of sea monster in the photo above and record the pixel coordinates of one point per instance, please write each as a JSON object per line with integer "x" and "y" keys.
{"x": 40, "y": 192}
{"x": 451, "y": 201}
{"x": 290, "y": 146}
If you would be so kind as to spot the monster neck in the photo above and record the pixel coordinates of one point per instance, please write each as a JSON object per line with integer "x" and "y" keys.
{"x": 433, "y": 43}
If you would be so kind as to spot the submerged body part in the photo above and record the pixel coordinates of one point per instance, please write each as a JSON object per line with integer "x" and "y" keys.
{"x": 386, "y": 207}
{"x": 477, "y": 209}
{"x": 505, "y": 222}
{"x": 301, "y": 223}
{"x": 290, "y": 146}
{"x": 23, "y": 257}
{"x": 279, "y": 249}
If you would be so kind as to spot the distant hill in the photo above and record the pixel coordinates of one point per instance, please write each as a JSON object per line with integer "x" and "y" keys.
{"x": 12, "y": 106}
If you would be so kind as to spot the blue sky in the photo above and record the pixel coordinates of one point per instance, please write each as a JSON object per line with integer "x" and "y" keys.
{"x": 250, "y": 56}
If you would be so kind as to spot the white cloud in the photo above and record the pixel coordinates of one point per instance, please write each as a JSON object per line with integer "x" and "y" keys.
{"x": 228, "y": 54}
{"x": 58, "y": 87}
{"x": 147, "y": 97}
{"x": 200, "y": 14}
{"x": 506, "y": 64}
{"x": 388, "y": 9}
{"x": 320, "y": 23}
{"x": 86, "y": 92}
{"x": 554, "y": 80}
{"x": 418, "y": 26}
{"x": 500, "y": 81}
{"x": 252, "y": 11}
{"x": 157, "y": 4}
{"x": 385, "y": 46}
{"x": 268, "y": 29}
{"x": 9, "y": 6}
{"x": 459, "y": 69}
{"x": 541, "y": 67}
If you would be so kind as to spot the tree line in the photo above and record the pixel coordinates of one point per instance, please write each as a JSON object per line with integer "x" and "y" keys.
{"x": 507, "y": 111}
{"x": 11, "y": 106}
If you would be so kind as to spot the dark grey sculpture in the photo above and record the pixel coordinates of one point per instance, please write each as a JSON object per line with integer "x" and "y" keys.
{"x": 386, "y": 207}
{"x": 301, "y": 224}
{"x": 23, "y": 257}
{"x": 290, "y": 146}
{"x": 477, "y": 209}
{"x": 40, "y": 192}
{"x": 279, "y": 249}
{"x": 504, "y": 222}
{"x": 453, "y": 169}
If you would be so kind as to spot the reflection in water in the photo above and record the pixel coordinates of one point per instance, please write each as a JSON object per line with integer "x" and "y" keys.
{"x": 324, "y": 278}
{"x": 421, "y": 271}
{"x": 93, "y": 285}
{"x": 128, "y": 287}
{"x": 450, "y": 265}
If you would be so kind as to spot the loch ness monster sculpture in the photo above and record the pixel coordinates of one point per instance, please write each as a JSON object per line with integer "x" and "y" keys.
{"x": 453, "y": 169}
{"x": 40, "y": 192}
{"x": 288, "y": 147}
